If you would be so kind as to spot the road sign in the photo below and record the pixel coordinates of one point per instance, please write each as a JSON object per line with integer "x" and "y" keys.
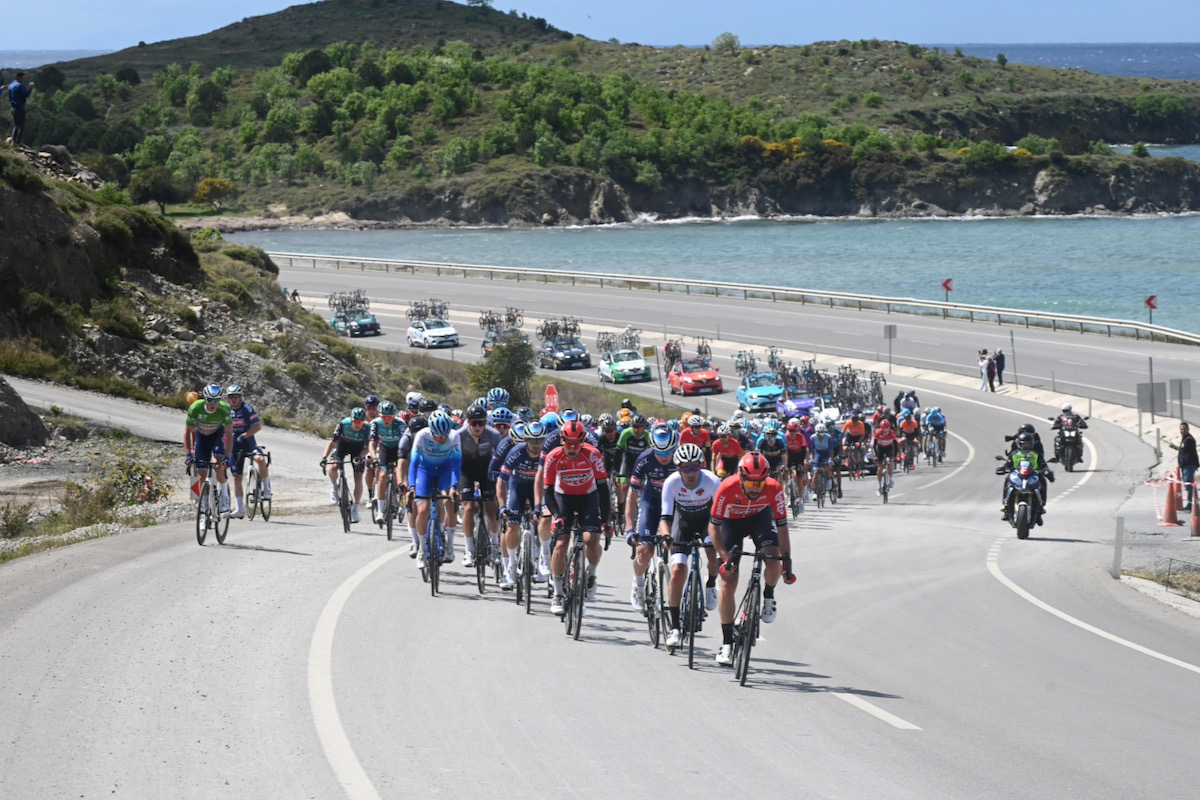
{"x": 1150, "y": 302}
{"x": 648, "y": 351}
{"x": 1152, "y": 397}
{"x": 1181, "y": 389}
{"x": 948, "y": 284}
{"x": 551, "y": 398}
{"x": 889, "y": 331}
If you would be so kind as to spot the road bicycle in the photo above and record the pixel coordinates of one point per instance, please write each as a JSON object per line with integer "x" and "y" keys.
{"x": 658, "y": 576}
{"x": 526, "y": 562}
{"x": 254, "y": 500}
{"x": 209, "y": 515}
{"x": 343, "y": 489}
{"x": 691, "y": 608}
{"x": 575, "y": 585}
{"x": 748, "y": 618}
{"x": 513, "y": 317}
{"x": 881, "y": 473}
{"x": 911, "y": 453}
{"x": 794, "y": 501}
{"x": 703, "y": 348}
{"x": 932, "y": 452}
{"x": 392, "y": 501}
{"x": 485, "y": 559}
{"x": 433, "y": 546}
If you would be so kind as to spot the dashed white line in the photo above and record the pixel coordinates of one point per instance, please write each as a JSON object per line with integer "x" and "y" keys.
{"x": 876, "y": 711}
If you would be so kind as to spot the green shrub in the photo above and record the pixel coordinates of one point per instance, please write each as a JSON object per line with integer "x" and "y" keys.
{"x": 19, "y": 175}
{"x": 1140, "y": 150}
{"x": 872, "y": 100}
{"x": 135, "y": 475}
{"x": 985, "y": 155}
{"x": 269, "y": 371}
{"x": 258, "y": 348}
{"x": 111, "y": 194}
{"x": 511, "y": 364}
{"x": 1160, "y": 107}
{"x": 253, "y": 256}
{"x": 300, "y": 373}
{"x": 1037, "y": 145}
{"x": 117, "y": 317}
{"x": 14, "y": 518}
{"x": 114, "y": 230}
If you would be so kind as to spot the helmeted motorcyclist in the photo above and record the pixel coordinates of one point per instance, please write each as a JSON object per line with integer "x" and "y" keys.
{"x": 1025, "y": 449}
{"x": 1066, "y": 419}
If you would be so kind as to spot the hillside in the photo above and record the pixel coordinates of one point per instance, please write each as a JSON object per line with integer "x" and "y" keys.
{"x": 500, "y": 125}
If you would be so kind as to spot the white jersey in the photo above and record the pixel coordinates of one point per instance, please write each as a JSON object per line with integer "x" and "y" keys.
{"x": 676, "y": 496}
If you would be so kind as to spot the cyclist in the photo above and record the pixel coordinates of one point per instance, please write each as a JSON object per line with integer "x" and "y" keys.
{"x": 383, "y": 447}
{"x": 910, "y": 430}
{"x": 910, "y": 403}
{"x": 415, "y": 426}
{"x": 575, "y": 488}
{"x": 738, "y": 427}
{"x": 350, "y": 439}
{"x": 642, "y": 518}
{"x": 687, "y": 497}
{"x": 371, "y": 404}
{"x": 608, "y": 441}
{"x": 496, "y": 398}
{"x": 433, "y": 469}
{"x": 884, "y": 442}
{"x": 854, "y": 435}
{"x": 518, "y": 477}
{"x": 752, "y": 504}
{"x": 478, "y": 443}
{"x": 695, "y": 434}
{"x": 634, "y": 441}
{"x": 208, "y": 436}
{"x": 823, "y": 449}
{"x": 797, "y": 455}
{"x": 246, "y": 426}
{"x": 774, "y": 447}
{"x": 411, "y": 402}
{"x": 726, "y": 452}
{"x": 935, "y": 423}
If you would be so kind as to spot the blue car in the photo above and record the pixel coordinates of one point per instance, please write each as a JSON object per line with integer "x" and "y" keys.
{"x": 759, "y": 392}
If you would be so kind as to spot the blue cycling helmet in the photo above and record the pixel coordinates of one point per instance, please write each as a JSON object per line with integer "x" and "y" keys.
{"x": 480, "y": 401}
{"x": 771, "y": 426}
{"x": 497, "y": 397}
{"x": 371, "y": 400}
{"x": 501, "y": 416}
{"x": 440, "y": 423}
{"x": 211, "y": 393}
{"x": 568, "y": 414}
{"x": 673, "y": 424}
{"x": 550, "y": 421}
{"x": 525, "y": 413}
{"x": 663, "y": 440}
{"x": 517, "y": 431}
{"x": 535, "y": 432}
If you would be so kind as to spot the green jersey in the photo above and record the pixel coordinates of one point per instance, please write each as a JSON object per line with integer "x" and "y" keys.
{"x": 208, "y": 422}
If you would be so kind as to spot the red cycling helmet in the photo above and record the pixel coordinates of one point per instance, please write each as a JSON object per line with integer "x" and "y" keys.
{"x": 573, "y": 432}
{"x": 754, "y": 467}
{"x": 884, "y": 424}
{"x": 793, "y": 424}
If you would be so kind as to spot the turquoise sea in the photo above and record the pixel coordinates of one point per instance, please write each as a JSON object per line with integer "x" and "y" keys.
{"x": 1103, "y": 267}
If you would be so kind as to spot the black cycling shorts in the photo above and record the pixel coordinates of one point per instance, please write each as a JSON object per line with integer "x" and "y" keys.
{"x": 760, "y": 528}
{"x": 583, "y": 509}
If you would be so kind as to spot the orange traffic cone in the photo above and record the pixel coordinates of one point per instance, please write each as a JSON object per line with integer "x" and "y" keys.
{"x": 1195, "y": 511}
{"x": 1170, "y": 516}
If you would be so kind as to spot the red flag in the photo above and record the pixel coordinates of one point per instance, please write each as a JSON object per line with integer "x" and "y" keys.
{"x": 946, "y": 284}
{"x": 1150, "y": 301}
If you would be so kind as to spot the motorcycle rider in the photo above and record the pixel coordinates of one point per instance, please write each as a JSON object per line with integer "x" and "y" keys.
{"x": 1025, "y": 450}
{"x": 1066, "y": 419}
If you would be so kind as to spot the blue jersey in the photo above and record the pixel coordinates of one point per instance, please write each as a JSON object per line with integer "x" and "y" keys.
{"x": 519, "y": 468}
{"x": 936, "y": 420}
{"x": 771, "y": 447}
{"x": 431, "y": 456}
{"x": 822, "y": 447}
{"x": 649, "y": 476}
{"x": 244, "y": 418}
{"x": 502, "y": 450}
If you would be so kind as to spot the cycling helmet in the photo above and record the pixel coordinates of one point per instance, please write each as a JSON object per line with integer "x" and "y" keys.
{"x": 638, "y": 421}
{"x": 371, "y": 400}
{"x": 793, "y": 424}
{"x": 737, "y": 415}
{"x": 427, "y": 405}
{"x": 754, "y": 467}
{"x": 627, "y": 403}
{"x": 358, "y": 414}
{"x": 884, "y": 424}
{"x": 568, "y": 414}
{"x": 440, "y": 423}
{"x": 588, "y": 421}
{"x": 688, "y": 454}
{"x": 821, "y": 427}
{"x": 444, "y": 407}
{"x": 457, "y": 413}
{"x": 476, "y": 412}
{"x": 233, "y": 390}
{"x": 695, "y": 421}
{"x": 1066, "y": 408}
{"x": 771, "y": 427}
{"x": 534, "y": 431}
{"x": 211, "y": 393}
{"x": 663, "y": 440}
{"x": 497, "y": 397}
{"x": 573, "y": 432}
{"x": 607, "y": 422}
{"x": 673, "y": 424}
{"x": 387, "y": 409}
{"x": 502, "y": 416}
{"x": 804, "y": 420}
{"x": 412, "y": 399}
{"x": 1025, "y": 441}
{"x": 517, "y": 431}
{"x": 417, "y": 423}
{"x": 525, "y": 413}
{"x": 724, "y": 430}
{"x": 856, "y": 408}
{"x": 881, "y": 408}
{"x": 550, "y": 421}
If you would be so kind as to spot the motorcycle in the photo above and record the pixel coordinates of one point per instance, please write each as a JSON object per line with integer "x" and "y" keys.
{"x": 1022, "y": 498}
{"x": 1068, "y": 445}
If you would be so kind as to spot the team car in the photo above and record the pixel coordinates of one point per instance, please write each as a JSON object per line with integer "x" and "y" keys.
{"x": 493, "y": 337}
{"x": 623, "y": 366}
{"x": 355, "y": 322}
{"x": 432, "y": 333}
{"x": 694, "y": 376}
{"x": 759, "y": 392}
{"x": 817, "y": 408}
{"x": 563, "y": 352}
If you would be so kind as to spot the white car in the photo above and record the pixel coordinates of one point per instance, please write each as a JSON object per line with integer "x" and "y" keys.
{"x": 623, "y": 366}
{"x": 432, "y": 333}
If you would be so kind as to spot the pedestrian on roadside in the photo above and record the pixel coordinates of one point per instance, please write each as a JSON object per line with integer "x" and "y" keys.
{"x": 18, "y": 93}
{"x": 991, "y": 373}
{"x": 998, "y": 357}
{"x": 1188, "y": 461}
{"x": 983, "y": 370}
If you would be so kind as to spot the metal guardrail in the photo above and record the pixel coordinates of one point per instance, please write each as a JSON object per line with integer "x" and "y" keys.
{"x": 861, "y": 302}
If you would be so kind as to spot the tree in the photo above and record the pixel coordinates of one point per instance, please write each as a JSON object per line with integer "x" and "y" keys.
{"x": 1002, "y": 60}
{"x": 480, "y": 3}
{"x": 128, "y": 76}
{"x": 727, "y": 43}
{"x": 157, "y": 184}
{"x": 216, "y": 191}
{"x": 510, "y": 365}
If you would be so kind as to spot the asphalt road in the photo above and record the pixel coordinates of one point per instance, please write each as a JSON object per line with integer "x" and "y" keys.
{"x": 924, "y": 652}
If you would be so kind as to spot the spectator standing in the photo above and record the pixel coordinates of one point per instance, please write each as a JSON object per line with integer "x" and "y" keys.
{"x": 991, "y": 373}
{"x": 18, "y": 93}
{"x": 1188, "y": 461}
{"x": 983, "y": 370}
{"x": 998, "y": 357}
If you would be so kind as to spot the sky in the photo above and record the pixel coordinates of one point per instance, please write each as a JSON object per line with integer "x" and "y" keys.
{"x": 116, "y": 24}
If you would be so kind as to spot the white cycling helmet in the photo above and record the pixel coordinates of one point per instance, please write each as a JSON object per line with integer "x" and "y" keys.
{"x": 689, "y": 454}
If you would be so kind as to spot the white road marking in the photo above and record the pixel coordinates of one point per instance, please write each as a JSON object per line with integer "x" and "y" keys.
{"x": 1076, "y": 363}
{"x": 321, "y": 699}
{"x": 994, "y": 568}
{"x": 964, "y": 465}
{"x": 876, "y": 711}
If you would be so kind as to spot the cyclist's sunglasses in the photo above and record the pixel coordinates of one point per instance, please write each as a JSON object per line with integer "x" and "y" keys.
{"x": 754, "y": 485}
{"x": 690, "y": 470}
{"x": 501, "y": 426}
{"x": 388, "y": 418}
{"x": 477, "y": 423}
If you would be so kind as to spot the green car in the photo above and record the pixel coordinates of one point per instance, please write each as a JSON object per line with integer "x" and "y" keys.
{"x": 623, "y": 366}
{"x": 355, "y": 322}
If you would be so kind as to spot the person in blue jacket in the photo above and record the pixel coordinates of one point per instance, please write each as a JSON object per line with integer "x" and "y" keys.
{"x": 18, "y": 93}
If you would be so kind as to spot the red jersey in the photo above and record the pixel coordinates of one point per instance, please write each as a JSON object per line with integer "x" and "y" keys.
{"x": 701, "y": 438}
{"x": 731, "y": 502}
{"x": 729, "y": 450}
{"x": 885, "y": 437}
{"x": 576, "y": 476}
{"x": 797, "y": 442}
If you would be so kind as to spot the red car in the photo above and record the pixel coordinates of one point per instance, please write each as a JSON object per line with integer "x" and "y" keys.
{"x": 694, "y": 376}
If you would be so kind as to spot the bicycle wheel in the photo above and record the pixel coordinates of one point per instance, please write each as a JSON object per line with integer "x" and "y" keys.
{"x": 435, "y": 557}
{"x": 527, "y": 568}
{"x": 389, "y": 508}
{"x": 344, "y": 501}
{"x": 483, "y": 557}
{"x": 264, "y": 507}
{"x": 220, "y": 522}
{"x": 753, "y": 605}
{"x": 651, "y": 606}
{"x": 569, "y": 595}
{"x": 253, "y": 490}
{"x": 693, "y": 608}
{"x": 202, "y": 516}
{"x": 581, "y": 580}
